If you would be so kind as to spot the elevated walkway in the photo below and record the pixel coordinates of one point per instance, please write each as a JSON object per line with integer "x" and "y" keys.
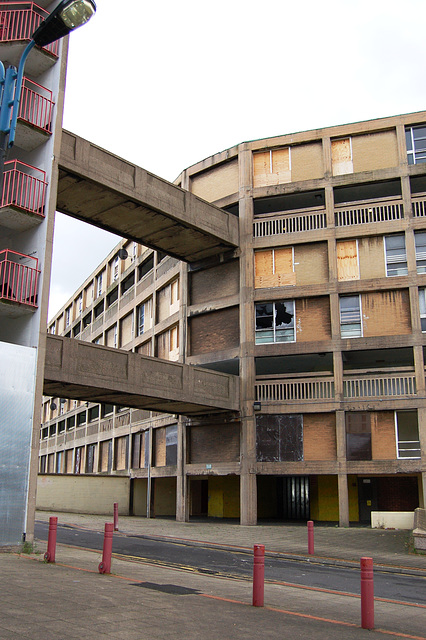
{"x": 111, "y": 193}
{"x": 85, "y": 371}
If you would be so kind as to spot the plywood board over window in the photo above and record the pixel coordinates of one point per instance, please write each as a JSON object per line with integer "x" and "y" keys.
{"x": 341, "y": 156}
{"x": 347, "y": 260}
{"x": 274, "y": 268}
{"x": 271, "y": 167}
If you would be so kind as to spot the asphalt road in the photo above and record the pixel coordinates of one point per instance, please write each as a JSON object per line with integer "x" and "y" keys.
{"x": 393, "y": 586}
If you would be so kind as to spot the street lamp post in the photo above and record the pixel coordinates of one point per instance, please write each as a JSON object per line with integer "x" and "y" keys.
{"x": 67, "y": 16}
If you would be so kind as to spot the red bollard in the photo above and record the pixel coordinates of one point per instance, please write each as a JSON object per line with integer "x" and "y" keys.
{"x": 367, "y": 593}
{"x": 115, "y": 516}
{"x": 258, "y": 575}
{"x": 50, "y": 554}
{"x": 310, "y": 537}
{"x": 105, "y": 565}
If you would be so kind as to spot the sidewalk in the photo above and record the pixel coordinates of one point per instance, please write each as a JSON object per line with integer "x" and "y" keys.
{"x": 70, "y": 600}
{"x": 333, "y": 545}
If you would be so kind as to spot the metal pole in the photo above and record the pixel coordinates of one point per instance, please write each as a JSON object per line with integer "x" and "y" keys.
{"x": 258, "y": 575}
{"x": 105, "y": 565}
{"x": 367, "y": 593}
{"x": 115, "y": 516}
{"x": 50, "y": 555}
{"x": 310, "y": 537}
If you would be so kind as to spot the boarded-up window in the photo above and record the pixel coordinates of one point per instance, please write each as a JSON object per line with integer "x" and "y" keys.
{"x": 121, "y": 452}
{"x": 111, "y": 336}
{"x": 126, "y": 329}
{"x": 279, "y": 438}
{"x": 160, "y": 447}
{"x": 358, "y": 436}
{"x": 347, "y": 260}
{"x": 105, "y": 458}
{"x": 271, "y": 167}
{"x": 146, "y": 348}
{"x": 274, "y": 268}
{"x": 167, "y": 301}
{"x": 341, "y": 156}
{"x": 168, "y": 344}
{"x": 68, "y": 460}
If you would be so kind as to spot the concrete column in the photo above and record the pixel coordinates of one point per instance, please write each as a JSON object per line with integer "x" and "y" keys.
{"x": 248, "y": 495}
{"x": 342, "y": 478}
{"x": 182, "y": 498}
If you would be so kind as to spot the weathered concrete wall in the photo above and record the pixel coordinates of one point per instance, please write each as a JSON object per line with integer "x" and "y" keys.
{"x": 83, "y": 494}
{"x": 392, "y": 519}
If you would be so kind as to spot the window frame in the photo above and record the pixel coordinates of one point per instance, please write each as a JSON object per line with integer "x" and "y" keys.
{"x": 346, "y": 323}
{"x": 277, "y": 331}
{"x": 414, "y": 155}
{"x": 392, "y": 259}
{"x": 398, "y": 441}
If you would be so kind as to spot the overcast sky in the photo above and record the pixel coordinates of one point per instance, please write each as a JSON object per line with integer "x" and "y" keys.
{"x": 166, "y": 84}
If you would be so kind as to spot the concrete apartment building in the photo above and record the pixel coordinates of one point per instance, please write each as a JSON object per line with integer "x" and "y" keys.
{"x": 27, "y": 207}
{"x": 320, "y": 311}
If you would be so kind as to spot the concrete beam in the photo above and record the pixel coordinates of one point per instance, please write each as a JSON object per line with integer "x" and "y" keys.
{"x": 104, "y": 190}
{"x": 85, "y": 371}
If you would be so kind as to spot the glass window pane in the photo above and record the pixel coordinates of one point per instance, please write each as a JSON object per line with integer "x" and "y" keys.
{"x": 419, "y": 132}
{"x": 284, "y": 314}
{"x": 395, "y": 242}
{"x": 408, "y": 139}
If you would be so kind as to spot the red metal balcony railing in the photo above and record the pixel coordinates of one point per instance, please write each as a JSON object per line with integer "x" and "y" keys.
{"x": 18, "y": 277}
{"x": 19, "y": 20}
{"x": 36, "y": 105}
{"x": 23, "y": 189}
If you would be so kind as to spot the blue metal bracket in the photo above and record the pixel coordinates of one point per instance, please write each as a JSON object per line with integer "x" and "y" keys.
{"x": 11, "y": 89}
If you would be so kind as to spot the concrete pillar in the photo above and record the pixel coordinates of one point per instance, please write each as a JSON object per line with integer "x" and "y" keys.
{"x": 248, "y": 496}
{"x": 182, "y": 498}
{"x": 342, "y": 478}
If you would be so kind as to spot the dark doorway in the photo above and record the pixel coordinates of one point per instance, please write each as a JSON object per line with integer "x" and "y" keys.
{"x": 283, "y": 497}
{"x": 199, "y": 496}
{"x": 367, "y": 498}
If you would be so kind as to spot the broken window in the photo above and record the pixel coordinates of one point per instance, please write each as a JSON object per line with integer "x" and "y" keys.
{"x": 275, "y": 322}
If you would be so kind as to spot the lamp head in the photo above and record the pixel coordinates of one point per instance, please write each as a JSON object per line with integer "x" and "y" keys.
{"x": 68, "y": 15}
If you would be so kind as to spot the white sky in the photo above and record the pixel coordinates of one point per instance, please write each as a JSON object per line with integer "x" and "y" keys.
{"x": 166, "y": 84}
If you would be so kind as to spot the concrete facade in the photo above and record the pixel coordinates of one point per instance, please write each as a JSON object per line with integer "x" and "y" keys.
{"x": 321, "y": 312}
{"x": 27, "y": 210}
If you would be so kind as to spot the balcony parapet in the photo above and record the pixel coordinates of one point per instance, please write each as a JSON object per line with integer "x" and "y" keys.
{"x": 19, "y": 275}
{"x": 289, "y": 222}
{"x": 34, "y": 125}
{"x": 369, "y": 212}
{"x": 23, "y": 197}
{"x": 19, "y": 20}
{"x": 322, "y": 389}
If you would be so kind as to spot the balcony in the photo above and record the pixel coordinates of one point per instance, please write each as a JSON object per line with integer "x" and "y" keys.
{"x": 18, "y": 283}
{"x": 289, "y": 222}
{"x": 34, "y": 124}
{"x": 18, "y": 21}
{"x": 321, "y": 388}
{"x": 369, "y": 212}
{"x": 23, "y": 197}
